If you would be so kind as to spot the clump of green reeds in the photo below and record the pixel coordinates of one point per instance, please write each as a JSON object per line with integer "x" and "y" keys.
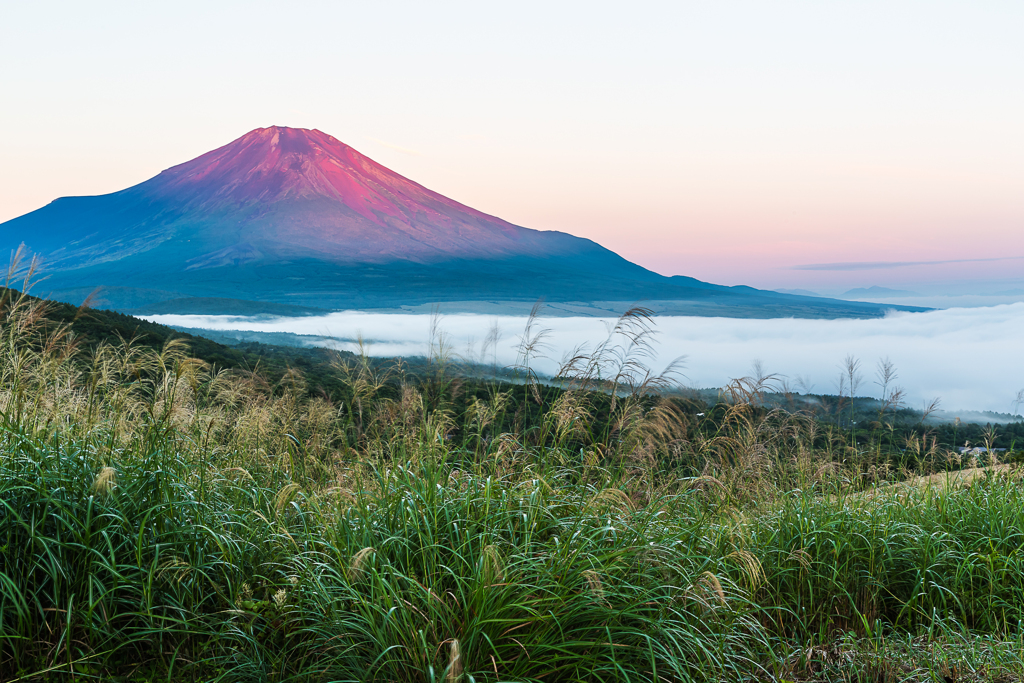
{"x": 139, "y": 559}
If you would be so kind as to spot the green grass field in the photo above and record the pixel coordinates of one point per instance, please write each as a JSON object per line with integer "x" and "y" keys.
{"x": 163, "y": 519}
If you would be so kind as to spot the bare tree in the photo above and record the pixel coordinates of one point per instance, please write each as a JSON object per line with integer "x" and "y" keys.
{"x": 892, "y": 395}
{"x": 851, "y": 370}
{"x": 850, "y": 379}
{"x": 1018, "y": 401}
{"x": 885, "y": 374}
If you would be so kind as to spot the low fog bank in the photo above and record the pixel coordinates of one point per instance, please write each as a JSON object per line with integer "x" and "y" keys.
{"x": 970, "y": 357}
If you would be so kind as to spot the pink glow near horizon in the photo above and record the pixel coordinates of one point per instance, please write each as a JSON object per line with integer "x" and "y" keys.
{"x": 731, "y": 141}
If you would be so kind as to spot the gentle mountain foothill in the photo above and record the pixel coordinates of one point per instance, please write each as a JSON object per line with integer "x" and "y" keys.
{"x": 293, "y": 217}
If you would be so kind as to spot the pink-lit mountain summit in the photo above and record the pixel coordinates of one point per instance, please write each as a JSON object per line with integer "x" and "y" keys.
{"x": 294, "y": 216}
{"x": 310, "y": 191}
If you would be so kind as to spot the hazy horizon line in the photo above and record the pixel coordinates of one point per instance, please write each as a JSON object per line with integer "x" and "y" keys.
{"x": 871, "y": 265}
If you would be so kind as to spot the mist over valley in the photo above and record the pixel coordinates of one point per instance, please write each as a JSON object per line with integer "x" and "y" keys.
{"x": 969, "y": 357}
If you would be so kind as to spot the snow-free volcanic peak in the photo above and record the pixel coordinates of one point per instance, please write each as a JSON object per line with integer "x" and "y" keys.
{"x": 294, "y": 216}
{"x": 336, "y": 199}
{"x": 283, "y": 212}
{"x": 273, "y": 164}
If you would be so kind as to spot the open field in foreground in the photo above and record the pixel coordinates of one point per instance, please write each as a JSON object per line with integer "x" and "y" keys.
{"x": 163, "y": 520}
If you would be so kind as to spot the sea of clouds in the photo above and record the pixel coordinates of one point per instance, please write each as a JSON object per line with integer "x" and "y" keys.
{"x": 971, "y": 358}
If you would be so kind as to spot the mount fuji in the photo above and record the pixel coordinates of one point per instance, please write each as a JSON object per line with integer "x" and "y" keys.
{"x": 284, "y": 218}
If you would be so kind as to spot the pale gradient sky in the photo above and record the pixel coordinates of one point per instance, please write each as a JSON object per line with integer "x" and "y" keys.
{"x": 730, "y": 141}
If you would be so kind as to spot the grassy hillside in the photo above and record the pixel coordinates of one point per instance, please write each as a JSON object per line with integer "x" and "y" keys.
{"x": 92, "y": 328}
{"x": 165, "y": 519}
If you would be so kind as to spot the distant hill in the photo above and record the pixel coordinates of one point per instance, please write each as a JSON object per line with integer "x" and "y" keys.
{"x": 798, "y": 292}
{"x": 294, "y": 217}
{"x": 877, "y": 292}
